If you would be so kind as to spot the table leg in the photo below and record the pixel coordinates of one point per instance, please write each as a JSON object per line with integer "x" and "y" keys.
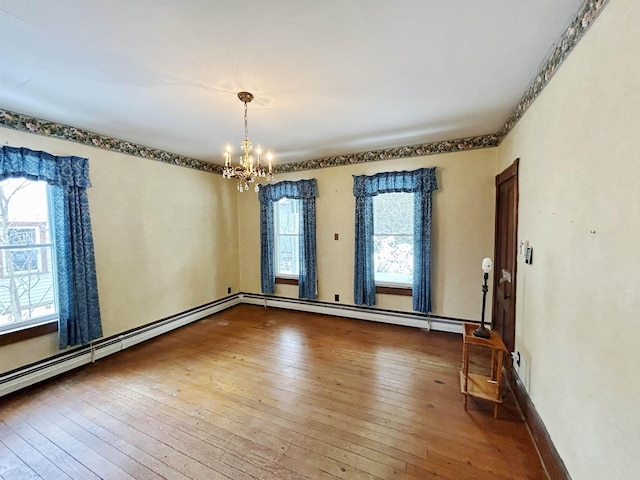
{"x": 498, "y": 382}
{"x": 465, "y": 372}
{"x": 493, "y": 364}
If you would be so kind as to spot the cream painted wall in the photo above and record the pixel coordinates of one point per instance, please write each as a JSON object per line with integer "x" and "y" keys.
{"x": 165, "y": 240}
{"x": 578, "y": 303}
{"x": 462, "y": 231}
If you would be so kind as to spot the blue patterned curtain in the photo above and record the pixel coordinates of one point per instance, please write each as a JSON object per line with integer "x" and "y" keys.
{"x": 420, "y": 182}
{"x": 267, "y": 274}
{"x": 364, "y": 287}
{"x": 79, "y": 315}
{"x": 307, "y": 191}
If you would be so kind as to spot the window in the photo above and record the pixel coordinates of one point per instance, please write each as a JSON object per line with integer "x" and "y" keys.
{"x": 286, "y": 220}
{"x": 27, "y": 284}
{"x": 66, "y": 301}
{"x": 393, "y": 239}
{"x": 288, "y": 236}
{"x": 395, "y": 258}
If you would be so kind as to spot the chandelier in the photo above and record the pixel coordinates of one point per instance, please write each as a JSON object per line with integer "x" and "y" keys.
{"x": 249, "y": 170}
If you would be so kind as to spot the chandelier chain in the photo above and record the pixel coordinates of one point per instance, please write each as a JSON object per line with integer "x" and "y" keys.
{"x": 246, "y": 124}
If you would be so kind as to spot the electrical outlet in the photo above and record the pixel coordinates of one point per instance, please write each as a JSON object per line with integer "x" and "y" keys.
{"x": 228, "y": 289}
{"x": 336, "y": 297}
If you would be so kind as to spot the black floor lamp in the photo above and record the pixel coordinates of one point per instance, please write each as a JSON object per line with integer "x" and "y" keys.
{"x": 482, "y": 331}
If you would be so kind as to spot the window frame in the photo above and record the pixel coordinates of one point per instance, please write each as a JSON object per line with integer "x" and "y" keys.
{"x": 28, "y": 331}
{"x": 386, "y": 287}
{"x": 44, "y": 324}
{"x": 284, "y": 278}
{"x": 391, "y": 290}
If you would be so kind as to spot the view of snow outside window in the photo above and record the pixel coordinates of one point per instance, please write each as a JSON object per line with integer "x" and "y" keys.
{"x": 27, "y": 293}
{"x": 393, "y": 238}
{"x": 286, "y": 222}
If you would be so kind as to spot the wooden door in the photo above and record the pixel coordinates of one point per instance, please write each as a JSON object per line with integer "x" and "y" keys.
{"x": 505, "y": 255}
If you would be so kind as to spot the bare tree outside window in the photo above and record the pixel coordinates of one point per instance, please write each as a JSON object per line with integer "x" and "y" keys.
{"x": 26, "y": 275}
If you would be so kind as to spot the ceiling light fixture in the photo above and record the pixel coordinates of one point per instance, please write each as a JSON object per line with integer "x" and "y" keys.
{"x": 247, "y": 171}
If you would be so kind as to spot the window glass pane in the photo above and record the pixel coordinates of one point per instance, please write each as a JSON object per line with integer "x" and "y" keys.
{"x": 27, "y": 289}
{"x": 286, "y": 220}
{"x": 23, "y": 259}
{"x": 393, "y": 214}
{"x": 393, "y": 238}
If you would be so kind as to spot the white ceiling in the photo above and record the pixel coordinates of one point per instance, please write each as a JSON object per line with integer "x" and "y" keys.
{"x": 329, "y": 76}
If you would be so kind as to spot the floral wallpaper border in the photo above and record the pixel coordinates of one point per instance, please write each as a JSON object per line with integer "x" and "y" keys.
{"x": 26, "y": 123}
{"x": 576, "y": 30}
{"x": 449, "y": 146}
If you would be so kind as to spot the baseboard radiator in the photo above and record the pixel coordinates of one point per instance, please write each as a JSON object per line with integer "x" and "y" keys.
{"x": 65, "y": 361}
{"x": 407, "y": 319}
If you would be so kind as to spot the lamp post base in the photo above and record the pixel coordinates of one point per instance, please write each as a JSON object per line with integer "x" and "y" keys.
{"x": 481, "y": 332}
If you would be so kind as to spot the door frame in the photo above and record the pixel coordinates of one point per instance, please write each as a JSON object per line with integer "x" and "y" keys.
{"x": 508, "y": 173}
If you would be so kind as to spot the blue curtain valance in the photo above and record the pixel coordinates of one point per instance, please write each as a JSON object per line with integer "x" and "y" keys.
{"x": 288, "y": 189}
{"x": 421, "y": 180}
{"x": 42, "y": 166}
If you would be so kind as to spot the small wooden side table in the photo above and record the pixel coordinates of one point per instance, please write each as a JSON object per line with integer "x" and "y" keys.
{"x": 477, "y": 385}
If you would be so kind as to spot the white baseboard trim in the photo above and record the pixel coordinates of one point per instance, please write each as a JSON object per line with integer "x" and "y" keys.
{"x": 43, "y": 370}
{"x": 407, "y": 319}
{"x": 32, "y": 374}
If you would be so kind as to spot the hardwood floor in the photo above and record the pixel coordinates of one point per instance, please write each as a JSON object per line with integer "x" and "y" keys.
{"x": 255, "y": 393}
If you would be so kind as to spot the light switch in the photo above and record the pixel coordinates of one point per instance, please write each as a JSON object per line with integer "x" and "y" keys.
{"x": 524, "y": 244}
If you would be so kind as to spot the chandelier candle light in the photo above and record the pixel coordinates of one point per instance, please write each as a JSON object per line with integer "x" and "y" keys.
{"x": 247, "y": 171}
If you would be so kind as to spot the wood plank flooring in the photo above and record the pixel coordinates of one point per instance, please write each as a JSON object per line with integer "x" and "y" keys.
{"x": 267, "y": 394}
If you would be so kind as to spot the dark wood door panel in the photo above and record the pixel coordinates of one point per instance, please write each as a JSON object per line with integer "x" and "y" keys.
{"x": 504, "y": 285}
